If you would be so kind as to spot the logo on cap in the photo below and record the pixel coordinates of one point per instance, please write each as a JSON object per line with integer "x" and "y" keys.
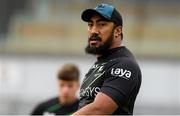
{"x": 101, "y": 5}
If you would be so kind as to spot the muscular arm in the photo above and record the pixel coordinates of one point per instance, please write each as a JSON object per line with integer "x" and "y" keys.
{"x": 102, "y": 104}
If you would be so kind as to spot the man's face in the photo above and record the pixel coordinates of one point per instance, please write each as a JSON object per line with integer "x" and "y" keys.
{"x": 67, "y": 90}
{"x": 101, "y": 34}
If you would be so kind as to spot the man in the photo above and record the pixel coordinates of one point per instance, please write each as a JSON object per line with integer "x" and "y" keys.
{"x": 67, "y": 102}
{"x": 113, "y": 82}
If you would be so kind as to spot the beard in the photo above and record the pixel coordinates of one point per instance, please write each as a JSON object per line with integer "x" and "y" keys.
{"x": 102, "y": 48}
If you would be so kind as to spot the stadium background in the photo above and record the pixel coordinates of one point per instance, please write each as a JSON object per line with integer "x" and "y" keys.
{"x": 38, "y": 36}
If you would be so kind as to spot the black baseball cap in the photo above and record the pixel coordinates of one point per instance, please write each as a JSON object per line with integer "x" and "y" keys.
{"x": 105, "y": 10}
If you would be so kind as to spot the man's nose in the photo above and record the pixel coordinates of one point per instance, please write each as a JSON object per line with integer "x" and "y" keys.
{"x": 94, "y": 30}
{"x": 65, "y": 89}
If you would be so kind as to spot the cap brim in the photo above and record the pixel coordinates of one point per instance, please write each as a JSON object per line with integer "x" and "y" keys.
{"x": 88, "y": 13}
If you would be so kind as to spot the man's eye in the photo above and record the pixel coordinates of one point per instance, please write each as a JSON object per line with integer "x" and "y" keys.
{"x": 102, "y": 24}
{"x": 90, "y": 25}
{"x": 70, "y": 85}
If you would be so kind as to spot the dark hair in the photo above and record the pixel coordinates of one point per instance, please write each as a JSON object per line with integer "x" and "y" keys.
{"x": 68, "y": 72}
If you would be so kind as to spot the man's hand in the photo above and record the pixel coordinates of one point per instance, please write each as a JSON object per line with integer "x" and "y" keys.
{"x": 102, "y": 104}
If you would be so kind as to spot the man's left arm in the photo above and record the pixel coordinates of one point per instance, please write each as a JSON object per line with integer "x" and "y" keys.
{"x": 99, "y": 106}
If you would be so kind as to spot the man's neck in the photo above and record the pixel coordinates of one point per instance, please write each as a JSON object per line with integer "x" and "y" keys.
{"x": 99, "y": 55}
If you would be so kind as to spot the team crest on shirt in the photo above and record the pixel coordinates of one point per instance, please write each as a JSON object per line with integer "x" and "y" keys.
{"x": 120, "y": 72}
{"x": 97, "y": 67}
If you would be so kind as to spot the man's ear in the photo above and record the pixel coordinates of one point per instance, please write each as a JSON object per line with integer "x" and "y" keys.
{"x": 118, "y": 31}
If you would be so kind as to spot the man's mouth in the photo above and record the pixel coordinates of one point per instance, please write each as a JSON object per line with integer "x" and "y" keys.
{"x": 93, "y": 42}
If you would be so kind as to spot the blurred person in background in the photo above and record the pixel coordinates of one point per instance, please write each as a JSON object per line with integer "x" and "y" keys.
{"x": 67, "y": 102}
{"x": 113, "y": 82}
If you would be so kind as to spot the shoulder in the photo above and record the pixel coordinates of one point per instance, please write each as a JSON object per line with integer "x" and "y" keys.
{"x": 41, "y": 107}
{"x": 127, "y": 62}
{"x": 49, "y": 102}
{"x": 124, "y": 66}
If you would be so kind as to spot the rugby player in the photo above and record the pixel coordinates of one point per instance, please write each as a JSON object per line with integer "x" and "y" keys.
{"x": 113, "y": 82}
{"x": 67, "y": 102}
